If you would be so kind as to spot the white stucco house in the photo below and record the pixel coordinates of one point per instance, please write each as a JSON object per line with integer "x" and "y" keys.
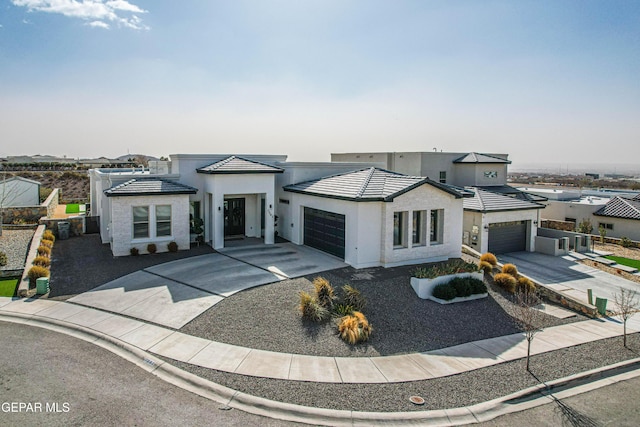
{"x": 365, "y": 215}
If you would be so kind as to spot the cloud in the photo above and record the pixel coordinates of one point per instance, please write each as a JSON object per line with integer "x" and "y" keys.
{"x": 120, "y": 12}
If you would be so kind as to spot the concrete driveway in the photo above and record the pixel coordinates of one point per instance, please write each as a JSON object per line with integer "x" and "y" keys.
{"x": 567, "y": 275}
{"x": 174, "y": 293}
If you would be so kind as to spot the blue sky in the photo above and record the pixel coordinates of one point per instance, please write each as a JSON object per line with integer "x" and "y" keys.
{"x": 546, "y": 81}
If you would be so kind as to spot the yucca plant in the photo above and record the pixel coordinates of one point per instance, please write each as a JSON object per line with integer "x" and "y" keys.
{"x": 311, "y": 309}
{"x": 506, "y": 282}
{"x": 42, "y": 261}
{"x": 354, "y": 328}
{"x": 353, "y": 297}
{"x": 490, "y": 258}
{"x": 343, "y": 309}
{"x": 324, "y": 292}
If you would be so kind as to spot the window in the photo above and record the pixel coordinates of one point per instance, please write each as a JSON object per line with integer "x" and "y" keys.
{"x": 606, "y": 226}
{"x": 284, "y": 201}
{"x": 399, "y": 229}
{"x": 163, "y": 220}
{"x": 140, "y": 222}
{"x": 435, "y": 227}
{"x": 419, "y": 228}
{"x": 443, "y": 177}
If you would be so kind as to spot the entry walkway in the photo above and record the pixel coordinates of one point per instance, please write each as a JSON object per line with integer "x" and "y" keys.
{"x": 246, "y": 361}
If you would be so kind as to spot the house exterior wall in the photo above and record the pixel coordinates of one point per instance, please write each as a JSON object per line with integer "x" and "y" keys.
{"x": 472, "y": 218}
{"x": 423, "y": 198}
{"x": 19, "y": 192}
{"x": 472, "y": 174}
{"x": 122, "y": 225}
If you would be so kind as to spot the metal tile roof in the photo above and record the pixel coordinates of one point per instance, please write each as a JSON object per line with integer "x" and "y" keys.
{"x": 370, "y": 184}
{"x": 621, "y": 207}
{"x": 480, "y": 158}
{"x": 488, "y": 201}
{"x": 149, "y": 187}
{"x": 236, "y": 164}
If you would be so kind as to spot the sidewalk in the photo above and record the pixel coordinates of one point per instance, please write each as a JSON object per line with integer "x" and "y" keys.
{"x": 246, "y": 361}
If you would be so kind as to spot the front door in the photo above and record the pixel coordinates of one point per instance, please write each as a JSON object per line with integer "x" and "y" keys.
{"x": 233, "y": 217}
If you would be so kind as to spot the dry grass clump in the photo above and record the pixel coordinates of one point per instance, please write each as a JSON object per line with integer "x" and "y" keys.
{"x": 44, "y": 251}
{"x": 490, "y": 258}
{"x": 506, "y": 282}
{"x": 324, "y": 292}
{"x": 42, "y": 261}
{"x": 510, "y": 269}
{"x": 311, "y": 309}
{"x": 354, "y": 328}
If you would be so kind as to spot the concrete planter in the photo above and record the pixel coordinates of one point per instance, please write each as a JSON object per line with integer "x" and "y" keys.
{"x": 458, "y": 299}
{"x": 424, "y": 287}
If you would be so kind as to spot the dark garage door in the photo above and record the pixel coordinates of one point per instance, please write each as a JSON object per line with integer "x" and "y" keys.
{"x": 507, "y": 237}
{"x": 325, "y": 231}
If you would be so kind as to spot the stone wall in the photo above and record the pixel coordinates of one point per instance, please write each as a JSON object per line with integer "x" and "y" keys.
{"x": 32, "y": 214}
{"x": 558, "y": 225}
{"x": 76, "y": 224}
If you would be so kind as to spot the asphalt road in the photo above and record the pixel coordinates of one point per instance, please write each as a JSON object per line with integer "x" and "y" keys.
{"x": 47, "y": 378}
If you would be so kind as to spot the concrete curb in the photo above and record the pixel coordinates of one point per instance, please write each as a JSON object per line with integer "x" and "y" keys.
{"x": 515, "y": 402}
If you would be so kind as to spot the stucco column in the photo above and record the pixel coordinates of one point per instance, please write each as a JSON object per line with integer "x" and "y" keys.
{"x": 270, "y": 212}
{"x": 218, "y": 220}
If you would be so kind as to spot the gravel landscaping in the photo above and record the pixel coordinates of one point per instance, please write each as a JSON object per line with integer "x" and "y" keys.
{"x": 15, "y": 243}
{"x": 267, "y": 318}
{"x": 454, "y": 391}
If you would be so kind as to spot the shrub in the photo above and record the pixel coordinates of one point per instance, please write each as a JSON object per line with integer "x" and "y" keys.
{"x": 525, "y": 285}
{"x": 354, "y": 298}
{"x": 343, "y": 309}
{"x": 461, "y": 286}
{"x": 44, "y": 251}
{"x": 477, "y": 286}
{"x": 444, "y": 291}
{"x": 510, "y": 269}
{"x": 3, "y": 259}
{"x": 485, "y": 266}
{"x": 151, "y": 248}
{"x": 37, "y": 271}
{"x": 505, "y": 281}
{"x": 625, "y": 242}
{"x": 324, "y": 292}
{"x": 310, "y": 308}
{"x": 443, "y": 269}
{"x": 172, "y": 247}
{"x": 42, "y": 261}
{"x": 490, "y": 258}
{"x": 47, "y": 243}
{"x": 48, "y": 235}
{"x": 134, "y": 251}
{"x": 354, "y": 328}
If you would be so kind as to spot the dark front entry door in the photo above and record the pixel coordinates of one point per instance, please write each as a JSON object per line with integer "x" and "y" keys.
{"x": 234, "y": 217}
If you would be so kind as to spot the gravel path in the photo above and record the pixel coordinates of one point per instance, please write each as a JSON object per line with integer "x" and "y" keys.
{"x": 449, "y": 392}
{"x": 266, "y": 317}
{"x": 15, "y": 243}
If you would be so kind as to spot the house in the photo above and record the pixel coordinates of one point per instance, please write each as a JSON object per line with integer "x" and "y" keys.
{"x": 498, "y": 218}
{"x": 18, "y": 191}
{"x": 361, "y": 213}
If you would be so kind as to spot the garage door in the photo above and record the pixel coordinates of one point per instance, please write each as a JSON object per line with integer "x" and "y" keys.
{"x": 507, "y": 237}
{"x": 325, "y": 231}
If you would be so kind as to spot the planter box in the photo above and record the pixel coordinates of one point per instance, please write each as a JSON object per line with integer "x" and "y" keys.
{"x": 458, "y": 299}
{"x": 424, "y": 287}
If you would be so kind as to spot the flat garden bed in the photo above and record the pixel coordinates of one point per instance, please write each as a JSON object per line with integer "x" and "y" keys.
{"x": 266, "y": 317}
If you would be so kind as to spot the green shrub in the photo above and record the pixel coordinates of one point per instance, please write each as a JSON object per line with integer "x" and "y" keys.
{"x": 485, "y": 266}
{"x": 444, "y": 291}
{"x": 172, "y": 247}
{"x": 510, "y": 269}
{"x": 477, "y": 286}
{"x": 343, "y": 309}
{"x": 44, "y": 251}
{"x": 353, "y": 297}
{"x": 525, "y": 285}
{"x": 134, "y": 251}
{"x": 48, "y": 235}
{"x": 324, "y": 292}
{"x": 151, "y": 248}
{"x": 3, "y": 259}
{"x": 461, "y": 286}
{"x": 505, "y": 281}
{"x": 490, "y": 258}
{"x": 443, "y": 269}
{"x": 354, "y": 328}
{"x": 36, "y": 272}
{"x": 625, "y": 242}
{"x": 42, "y": 261}
{"x": 311, "y": 309}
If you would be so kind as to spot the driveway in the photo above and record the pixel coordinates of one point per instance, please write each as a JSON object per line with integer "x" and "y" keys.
{"x": 174, "y": 293}
{"x": 565, "y": 274}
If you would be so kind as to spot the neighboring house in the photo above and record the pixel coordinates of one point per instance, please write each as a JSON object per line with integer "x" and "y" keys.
{"x": 18, "y": 191}
{"x": 498, "y": 219}
{"x": 620, "y": 217}
{"x": 366, "y": 216}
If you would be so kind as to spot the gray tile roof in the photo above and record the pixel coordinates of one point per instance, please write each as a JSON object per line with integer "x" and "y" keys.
{"x": 149, "y": 187}
{"x": 621, "y": 207}
{"x": 480, "y": 158}
{"x": 368, "y": 185}
{"x": 488, "y": 201}
{"x": 513, "y": 192}
{"x": 236, "y": 164}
